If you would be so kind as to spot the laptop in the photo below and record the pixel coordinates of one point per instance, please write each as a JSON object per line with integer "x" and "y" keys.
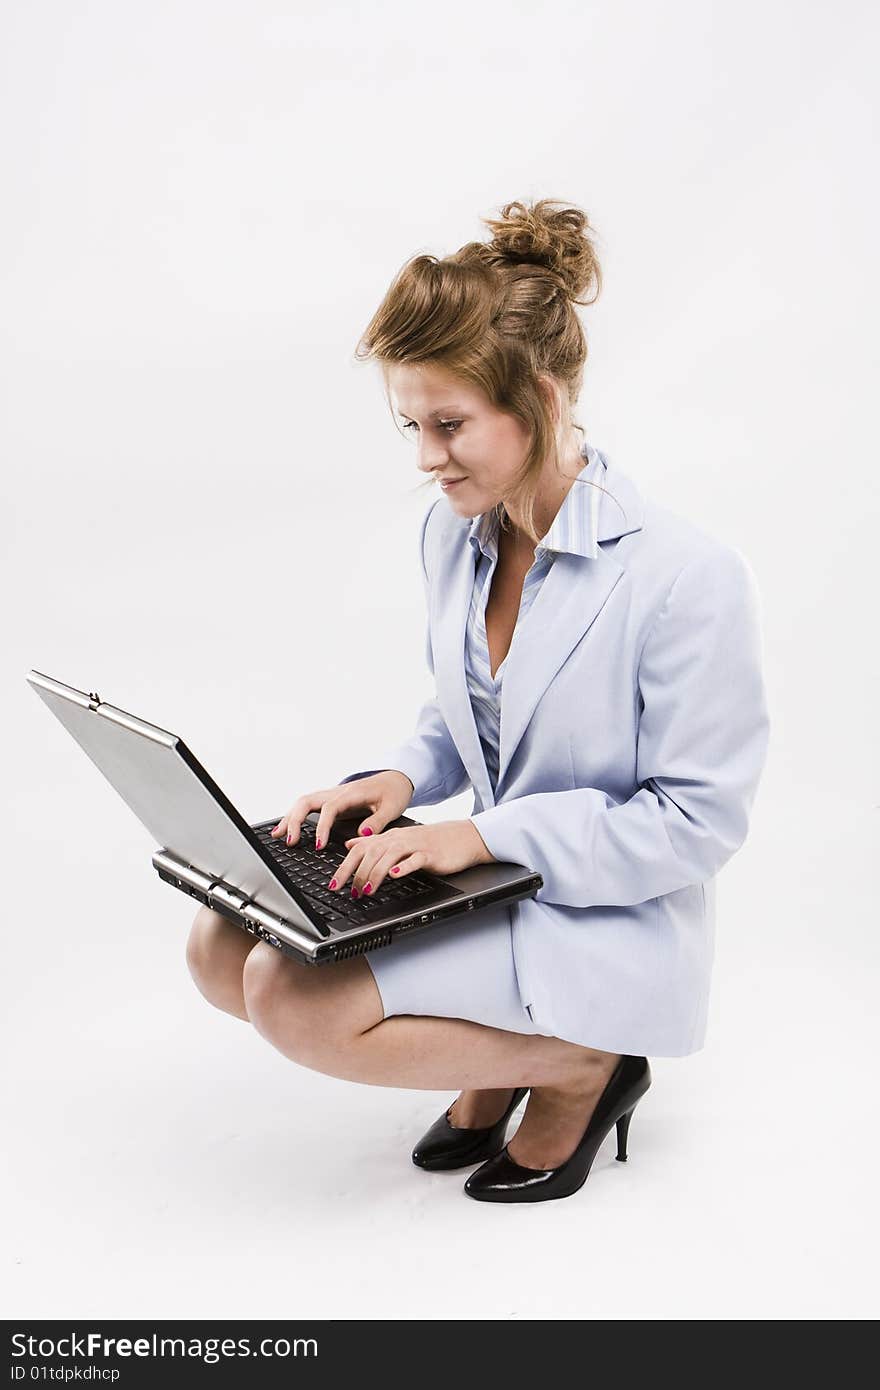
{"x": 272, "y": 890}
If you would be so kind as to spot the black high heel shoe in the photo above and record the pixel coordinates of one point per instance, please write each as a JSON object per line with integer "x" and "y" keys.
{"x": 447, "y": 1146}
{"x": 503, "y": 1180}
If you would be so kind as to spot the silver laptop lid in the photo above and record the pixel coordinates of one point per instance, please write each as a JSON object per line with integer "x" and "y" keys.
{"x": 172, "y": 795}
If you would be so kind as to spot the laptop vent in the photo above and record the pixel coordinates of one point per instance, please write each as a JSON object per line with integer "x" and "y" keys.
{"x": 357, "y": 948}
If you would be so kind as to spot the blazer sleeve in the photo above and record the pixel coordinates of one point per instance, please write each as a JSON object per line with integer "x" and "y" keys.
{"x": 701, "y": 747}
{"x": 429, "y": 758}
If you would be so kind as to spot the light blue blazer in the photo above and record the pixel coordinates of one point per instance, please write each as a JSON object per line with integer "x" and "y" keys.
{"x": 634, "y": 733}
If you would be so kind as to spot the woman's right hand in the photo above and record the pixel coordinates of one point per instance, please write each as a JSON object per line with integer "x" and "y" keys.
{"x": 386, "y": 794}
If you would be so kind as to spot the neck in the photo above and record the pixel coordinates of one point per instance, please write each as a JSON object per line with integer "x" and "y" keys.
{"x": 516, "y": 547}
{"x": 552, "y": 493}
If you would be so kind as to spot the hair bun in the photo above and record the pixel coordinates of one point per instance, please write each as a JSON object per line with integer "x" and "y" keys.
{"x": 552, "y": 234}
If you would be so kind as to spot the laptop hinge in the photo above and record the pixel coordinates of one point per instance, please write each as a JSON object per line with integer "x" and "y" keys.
{"x": 210, "y": 890}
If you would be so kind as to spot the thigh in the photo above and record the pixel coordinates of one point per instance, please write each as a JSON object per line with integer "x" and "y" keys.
{"x": 460, "y": 969}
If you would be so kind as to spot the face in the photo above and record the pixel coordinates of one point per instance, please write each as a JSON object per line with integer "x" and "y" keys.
{"x": 458, "y": 434}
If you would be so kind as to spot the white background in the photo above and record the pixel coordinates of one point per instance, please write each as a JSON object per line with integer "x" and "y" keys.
{"x": 210, "y": 518}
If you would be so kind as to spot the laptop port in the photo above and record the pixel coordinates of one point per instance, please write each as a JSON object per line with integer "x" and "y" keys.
{"x": 402, "y": 927}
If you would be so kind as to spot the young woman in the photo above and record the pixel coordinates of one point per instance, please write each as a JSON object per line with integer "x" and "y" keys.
{"x": 622, "y": 645}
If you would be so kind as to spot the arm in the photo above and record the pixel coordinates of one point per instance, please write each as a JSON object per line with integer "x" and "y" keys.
{"x": 430, "y": 758}
{"x": 702, "y": 745}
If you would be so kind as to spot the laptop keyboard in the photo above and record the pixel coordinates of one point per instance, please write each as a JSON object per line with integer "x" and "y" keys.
{"x": 311, "y": 870}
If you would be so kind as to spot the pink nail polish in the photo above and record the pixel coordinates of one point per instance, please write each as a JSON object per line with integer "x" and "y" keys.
{"x": 396, "y": 869}
{"x": 366, "y": 831}
{"x": 333, "y": 883}
{"x": 368, "y": 887}
{"x": 317, "y": 844}
{"x": 355, "y": 893}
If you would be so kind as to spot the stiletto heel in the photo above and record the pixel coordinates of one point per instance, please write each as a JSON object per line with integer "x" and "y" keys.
{"x": 622, "y": 1132}
{"x": 502, "y": 1179}
{"x": 446, "y": 1146}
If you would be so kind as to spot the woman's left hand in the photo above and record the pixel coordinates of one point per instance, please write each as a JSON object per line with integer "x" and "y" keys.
{"x": 444, "y": 848}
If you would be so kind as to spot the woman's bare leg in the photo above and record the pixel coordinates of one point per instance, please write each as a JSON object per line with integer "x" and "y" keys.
{"x": 216, "y": 951}
{"x": 475, "y": 1109}
{"x": 331, "y": 1020}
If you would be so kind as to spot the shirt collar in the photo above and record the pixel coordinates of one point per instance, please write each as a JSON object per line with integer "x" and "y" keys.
{"x": 574, "y": 528}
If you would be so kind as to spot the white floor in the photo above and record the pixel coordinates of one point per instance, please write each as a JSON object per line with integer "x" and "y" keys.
{"x": 165, "y": 1162}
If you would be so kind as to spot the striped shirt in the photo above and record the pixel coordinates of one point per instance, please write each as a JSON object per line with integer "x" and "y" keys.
{"x": 574, "y": 529}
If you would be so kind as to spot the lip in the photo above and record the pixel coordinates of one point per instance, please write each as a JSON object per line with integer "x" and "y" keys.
{"x": 446, "y": 483}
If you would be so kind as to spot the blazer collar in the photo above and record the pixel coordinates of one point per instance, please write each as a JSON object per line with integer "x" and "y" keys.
{"x": 569, "y": 600}
{"x": 587, "y": 515}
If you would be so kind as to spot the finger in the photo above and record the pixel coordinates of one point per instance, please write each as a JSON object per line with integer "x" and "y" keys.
{"x": 409, "y": 864}
{"x": 290, "y": 825}
{"x": 375, "y": 863}
{"x": 363, "y": 873}
{"x": 375, "y": 876}
{"x": 344, "y": 871}
{"x": 333, "y": 808}
{"x": 295, "y": 817}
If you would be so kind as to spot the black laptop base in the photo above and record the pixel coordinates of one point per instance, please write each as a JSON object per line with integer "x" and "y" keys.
{"x": 330, "y": 944}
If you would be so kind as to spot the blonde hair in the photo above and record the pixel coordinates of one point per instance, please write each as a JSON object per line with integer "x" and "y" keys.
{"x": 500, "y": 315}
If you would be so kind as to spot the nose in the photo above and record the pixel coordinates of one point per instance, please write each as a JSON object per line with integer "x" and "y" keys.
{"x": 431, "y": 456}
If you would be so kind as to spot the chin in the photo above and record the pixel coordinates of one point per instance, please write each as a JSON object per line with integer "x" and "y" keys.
{"x": 459, "y": 504}
{"x": 461, "y": 508}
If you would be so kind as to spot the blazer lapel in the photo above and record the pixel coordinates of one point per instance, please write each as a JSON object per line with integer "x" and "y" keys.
{"x": 450, "y": 602}
{"x": 567, "y": 603}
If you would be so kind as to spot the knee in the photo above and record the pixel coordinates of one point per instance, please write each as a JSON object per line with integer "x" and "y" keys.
{"x": 263, "y": 980}
{"x": 215, "y": 954}
{"x": 206, "y": 944}
{"x": 276, "y": 997}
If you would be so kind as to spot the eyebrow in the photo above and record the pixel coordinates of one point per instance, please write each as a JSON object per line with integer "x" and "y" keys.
{"x": 435, "y": 414}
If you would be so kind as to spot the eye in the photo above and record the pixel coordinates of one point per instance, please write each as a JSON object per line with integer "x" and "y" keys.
{"x": 448, "y": 426}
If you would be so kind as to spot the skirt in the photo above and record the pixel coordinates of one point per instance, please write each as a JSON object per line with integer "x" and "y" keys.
{"x": 459, "y": 969}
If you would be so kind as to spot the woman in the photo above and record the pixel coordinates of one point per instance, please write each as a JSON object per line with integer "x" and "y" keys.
{"x": 623, "y": 644}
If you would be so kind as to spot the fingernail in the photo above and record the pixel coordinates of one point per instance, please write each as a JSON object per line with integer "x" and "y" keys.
{"x": 333, "y": 883}
{"x": 366, "y": 830}
{"x": 396, "y": 869}
{"x": 368, "y": 887}
{"x": 289, "y": 838}
{"x": 355, "y": 893}
{"x": 317, "y": 844}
